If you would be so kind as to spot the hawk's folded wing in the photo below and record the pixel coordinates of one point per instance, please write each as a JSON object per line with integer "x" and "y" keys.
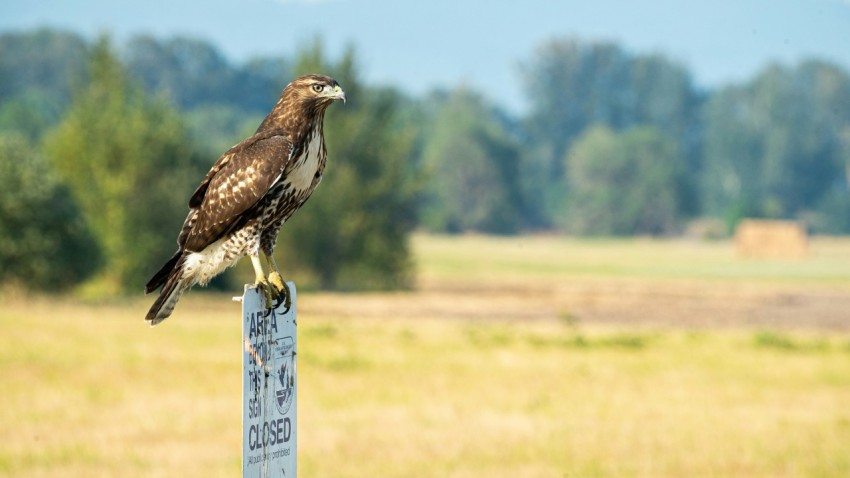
{"x": 237, "y": 182}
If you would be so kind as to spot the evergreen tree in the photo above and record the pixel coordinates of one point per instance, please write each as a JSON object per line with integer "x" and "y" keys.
{"x": 130, "y": 166}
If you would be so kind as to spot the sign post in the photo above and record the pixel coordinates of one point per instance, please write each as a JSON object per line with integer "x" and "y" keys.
{"x": 269, "y": 388}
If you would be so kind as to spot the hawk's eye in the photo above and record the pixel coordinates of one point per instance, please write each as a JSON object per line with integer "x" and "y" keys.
{"x": 317, "y": 88}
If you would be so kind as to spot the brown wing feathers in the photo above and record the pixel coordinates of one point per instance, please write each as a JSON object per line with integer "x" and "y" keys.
{"x": 245, "y": 174}
{"x": 248, "y": 170}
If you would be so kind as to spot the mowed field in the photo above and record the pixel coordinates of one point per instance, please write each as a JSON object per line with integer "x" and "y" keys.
{"x": 513, "y": 357}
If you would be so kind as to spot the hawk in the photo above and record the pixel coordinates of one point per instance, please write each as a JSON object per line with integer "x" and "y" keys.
{"x": 248, "y": 194}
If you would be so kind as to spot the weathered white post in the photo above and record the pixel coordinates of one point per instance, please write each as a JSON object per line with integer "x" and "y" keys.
{"x": 269, "y": 388}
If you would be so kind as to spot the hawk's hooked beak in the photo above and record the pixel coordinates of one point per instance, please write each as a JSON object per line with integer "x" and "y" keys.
{"x": 337, "y": 94}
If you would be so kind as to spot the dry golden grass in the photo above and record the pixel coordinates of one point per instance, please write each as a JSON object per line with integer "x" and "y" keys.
{"x": 501, "y": 373}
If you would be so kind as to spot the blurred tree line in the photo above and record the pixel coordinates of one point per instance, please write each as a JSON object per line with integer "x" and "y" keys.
{"x": 102, "y": 147}
{"x": 103, "y": 144}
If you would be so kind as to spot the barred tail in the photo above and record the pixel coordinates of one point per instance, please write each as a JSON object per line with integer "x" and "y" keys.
{"x": 173, "y": 285}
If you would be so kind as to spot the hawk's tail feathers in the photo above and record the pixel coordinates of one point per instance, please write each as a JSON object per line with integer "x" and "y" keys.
{"x": 171, "y": 291}
{"x": 163, "y": 273}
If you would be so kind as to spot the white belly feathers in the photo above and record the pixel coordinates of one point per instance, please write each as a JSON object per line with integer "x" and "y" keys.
{"x": 202, "y": 266}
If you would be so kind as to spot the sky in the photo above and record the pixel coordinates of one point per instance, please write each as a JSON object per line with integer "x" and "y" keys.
{"x": 421, "y": 45}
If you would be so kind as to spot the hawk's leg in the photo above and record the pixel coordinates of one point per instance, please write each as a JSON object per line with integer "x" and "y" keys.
{"x": 270, "y": 292}
{"x": 277, "y": 281}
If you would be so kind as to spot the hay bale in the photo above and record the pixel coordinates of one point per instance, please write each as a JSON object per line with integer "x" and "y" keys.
{"x": 763, "y": 239}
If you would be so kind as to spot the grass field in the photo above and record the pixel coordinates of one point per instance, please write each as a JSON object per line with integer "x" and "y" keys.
{"x": 523, "y": 357}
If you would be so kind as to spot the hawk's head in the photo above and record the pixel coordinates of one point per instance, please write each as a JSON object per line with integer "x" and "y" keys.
{"x": 303, "y": 103}
{"x": 319, "y": 90}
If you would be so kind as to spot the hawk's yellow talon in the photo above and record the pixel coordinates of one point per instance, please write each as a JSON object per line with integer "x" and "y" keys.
{"x": 269, "y": 292}
{"x": 276, "y": 280}
{"x": 282, "y": 287}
